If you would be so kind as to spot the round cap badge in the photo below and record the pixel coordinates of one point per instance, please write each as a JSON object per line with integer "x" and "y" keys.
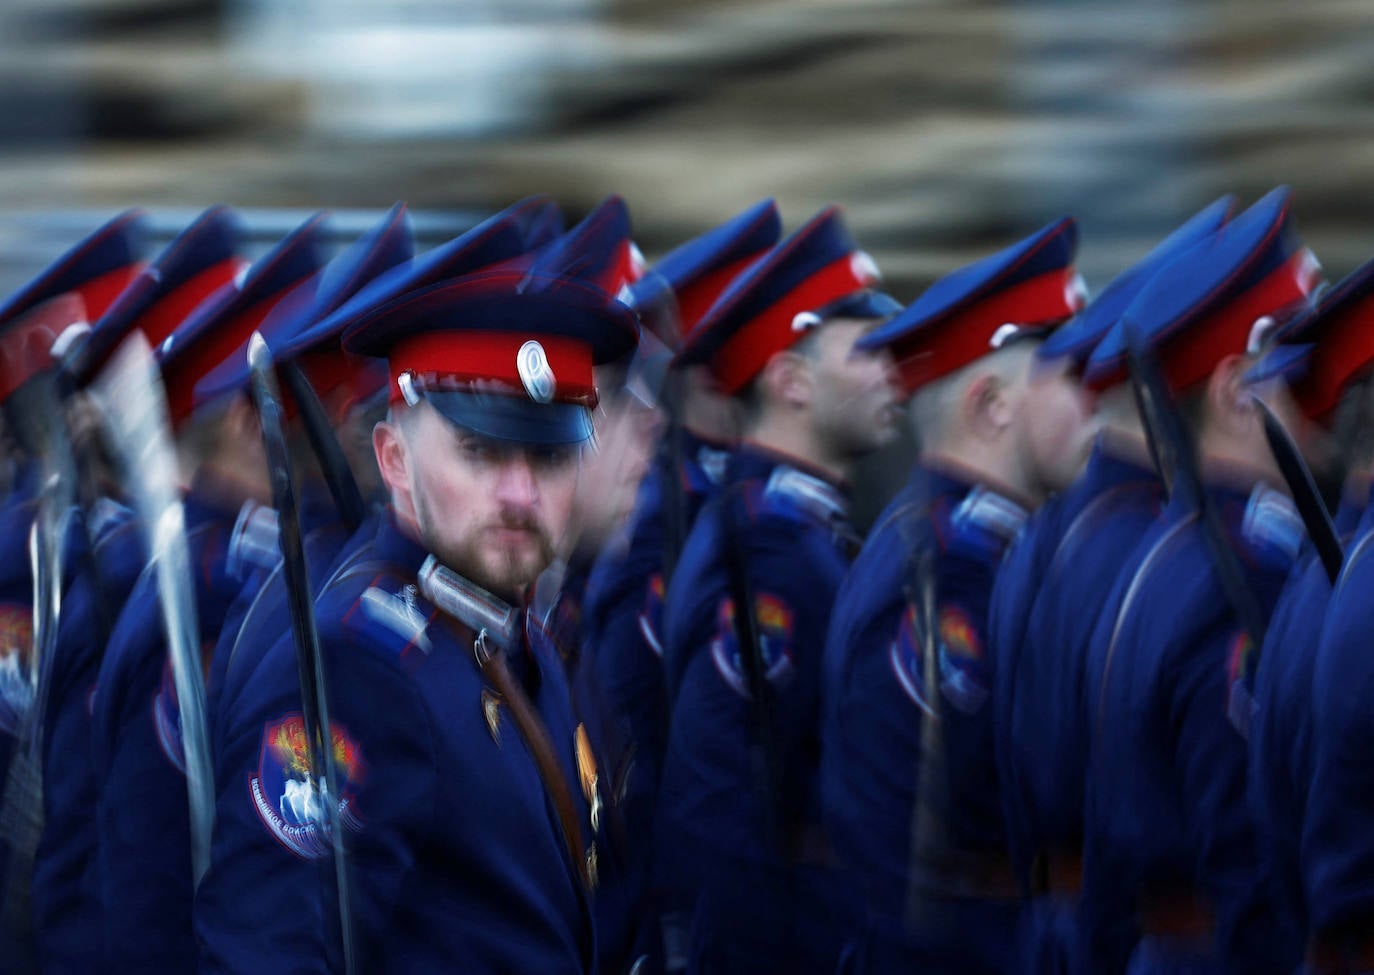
{"x": 536, "y": 375}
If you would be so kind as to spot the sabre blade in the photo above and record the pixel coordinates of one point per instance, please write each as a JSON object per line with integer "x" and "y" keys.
{"x": 304, "y": 632}
{"x": 1306, "y": 497}
{"x": 134, "y": 411}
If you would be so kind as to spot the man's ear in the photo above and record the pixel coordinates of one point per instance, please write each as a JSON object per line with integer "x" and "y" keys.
{"x": 241, "y": 418}
{"x": 1228, "y": 399}
{"x": 392, "y": 460}
{"x": 985, "y": 406}
{"x": 787, "y": 379}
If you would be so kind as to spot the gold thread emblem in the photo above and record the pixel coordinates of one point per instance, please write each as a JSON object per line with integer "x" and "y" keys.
{"x": 491, "y": 710}
{"x": 587, "y": 773}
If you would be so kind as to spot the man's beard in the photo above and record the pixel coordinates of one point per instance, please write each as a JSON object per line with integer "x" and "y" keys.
{"x": 505, "y": 573}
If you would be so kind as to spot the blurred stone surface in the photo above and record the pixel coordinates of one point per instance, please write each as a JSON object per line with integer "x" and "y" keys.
{"x": 947, "y": 128}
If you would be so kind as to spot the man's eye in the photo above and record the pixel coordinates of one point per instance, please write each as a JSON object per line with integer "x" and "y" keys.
{"x": 476, "y": 450}
{"x": 553, "y": 455}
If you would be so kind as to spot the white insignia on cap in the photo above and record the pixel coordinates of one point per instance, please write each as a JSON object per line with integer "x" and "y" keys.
{"x": 67, "y": 338}
{"x": 241, "y": 275}
{"x": 535, "y": 373}
{"x": 1076, "y": 292}
{"x": 1309, "y": 271}
{"x": 1004, "y": 332}
{"x": 1259, "y": 331}
{"x": 864, "y": 267}
{"x": 406, "y": 383}
{"x": 167, "y": 344}
{"x": 803, "y": 320}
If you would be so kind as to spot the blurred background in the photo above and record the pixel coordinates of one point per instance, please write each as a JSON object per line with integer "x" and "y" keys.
{"x": 946, "y": 129}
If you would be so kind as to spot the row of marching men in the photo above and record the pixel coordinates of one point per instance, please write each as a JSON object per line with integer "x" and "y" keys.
{"x": 727, "y": 734}
{"x": 1090, "y": 697}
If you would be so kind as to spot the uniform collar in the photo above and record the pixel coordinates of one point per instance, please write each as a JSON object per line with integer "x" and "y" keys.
{"x": 1115, "y": 459}
{"x": 393, "y": 544}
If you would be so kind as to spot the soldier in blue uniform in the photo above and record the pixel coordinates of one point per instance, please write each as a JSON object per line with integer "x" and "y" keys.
{"x": 1048, "y": 592}
{"x": 908, "y": 723}
{"x": 621, "y": 615}
{"x": 748, "y": 604}
{"x": 309, "y": 332}
{"x": 36, "y": 323}
{"x": 1305, "y": 797}
{"x": 141, "y": 811}
{"x": 1170, "y": 669}
{"x": 463, "y": 787}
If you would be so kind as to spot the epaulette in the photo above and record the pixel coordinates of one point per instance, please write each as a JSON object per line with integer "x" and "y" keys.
{"x": 712, "y": 462}
{"x": 253, "y": 541}
{"x": 1272, "y": 523}
{"x": 106, "y": 516}
{"x": 793, "y": 493}
{"x": 986, "y": 521}
{"x": 391, "y": 607}
{"x": 387, "y": 610}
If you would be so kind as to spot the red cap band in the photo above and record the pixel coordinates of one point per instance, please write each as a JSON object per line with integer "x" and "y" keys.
{"x": 26, "y": 343}
{"x": 546, "y": 368}
{"x": 100, "y": 292}
{"x": 171, "y": 310}
{"x": 695, "y": 300}
{"x": 207, "y": 352}
{"x": 1190, "y": 357}
{"x": 972, "y": 332}
{"x": 1345, "y": 348}
{"x": 744, "y": 354}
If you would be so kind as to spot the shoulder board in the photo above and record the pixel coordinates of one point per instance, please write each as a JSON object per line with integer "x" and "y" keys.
{"x": 1272, "y": 522}
{"x": 105, "y": 517}
{"x": 253, "y": 541}
{"x": 374, "y": 599}
{"x": 792, "y": 492}
{"x": 988, "y": 512}
{"x": 389, "y": 611}
{"x": 712, "y": 463}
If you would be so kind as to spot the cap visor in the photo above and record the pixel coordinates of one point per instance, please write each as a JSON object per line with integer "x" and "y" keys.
{"x": 514, "y": 418}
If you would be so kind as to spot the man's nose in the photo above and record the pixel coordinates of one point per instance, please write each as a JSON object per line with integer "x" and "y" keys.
{"x": 516, "y": 484}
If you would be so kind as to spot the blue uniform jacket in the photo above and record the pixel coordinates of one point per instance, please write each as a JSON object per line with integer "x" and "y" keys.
{"x": 622, "y": 617}
{"x": 65, "y": 893}
{"x": 1337, "y": 856}
{"x": 1055, "y": 581}
{"x": 456, "y": 856}
{"x": 141, "y": 809}
{"x": 1170, "y": 694}
{"x": 621, "y": 913}
{"x": 1281, "y": 729}
{"x": 261, "y": 614}
{"x": 877, "y": 697}
{"x": 718, "y": 806}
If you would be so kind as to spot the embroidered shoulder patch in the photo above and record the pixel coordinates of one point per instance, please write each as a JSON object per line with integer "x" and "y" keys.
{"x": 1240, "y": 702}
{"x": 963, "y": 676}
{"x": 288, "y": 794}
{"x": 16, "y": 642}
{"x": 908, "y": 660}
{"x": 651, "y": 616}
{"x": 773, "y": 619}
